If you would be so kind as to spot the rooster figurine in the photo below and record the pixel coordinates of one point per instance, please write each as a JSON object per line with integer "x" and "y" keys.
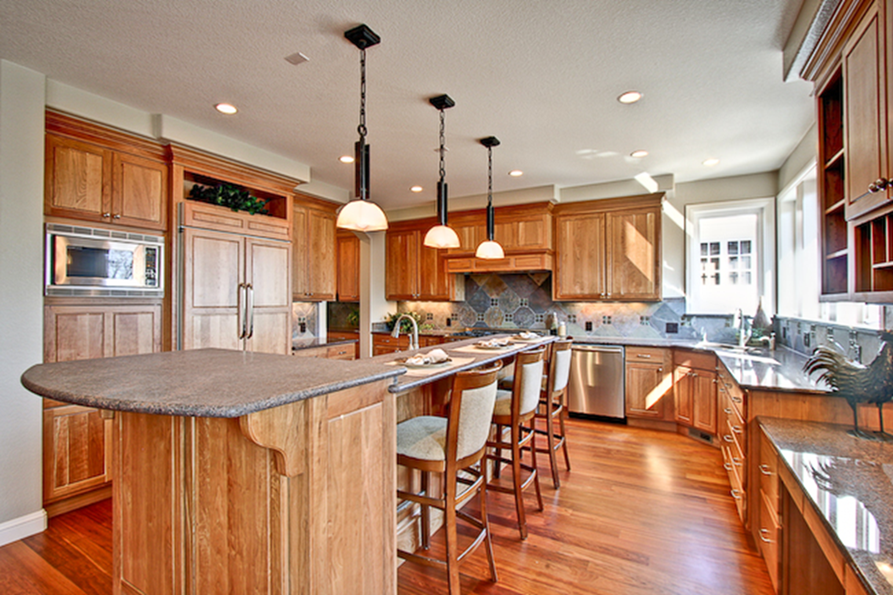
{"x": 855, "y": 382}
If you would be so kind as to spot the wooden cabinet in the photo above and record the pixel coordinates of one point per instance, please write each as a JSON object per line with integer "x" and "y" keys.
{"x": 649, "y": 383}
{"x": 348, "y": 267}
{"x": 608, "y": 250}
{"x": 695, "y": 390}
{"x": 769, "y": 524}
{"x": 345, "y": 351}
{"x": 76, "y": 455}
{"x": 314, "y": 253}
{"x": 91, "y": 175}
{"x": 235, "y": 289}
{"x": 416, "y": 272}
{"x": 383, "y": 343}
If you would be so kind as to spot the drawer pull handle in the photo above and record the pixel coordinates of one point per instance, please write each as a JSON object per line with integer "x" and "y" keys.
{"x": 736, "y": 494}
{"x": 643, "y": 355}
{"x": 736, "y": 461}
{"x": 727, "y": 410}
{"x": 764, "y": 539}
{"x": 736, "y": 399}
{"x": 728, "y": 438}
{"x": 766, "y": 470}
{"x": 737, "y": 430}
{"x": 727, "y": 466}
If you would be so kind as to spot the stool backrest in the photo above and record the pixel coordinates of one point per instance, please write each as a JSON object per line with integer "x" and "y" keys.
{"x": 560, "y": 366}
{"x": 528, "y": 380}
{"x": 471, "y": 408}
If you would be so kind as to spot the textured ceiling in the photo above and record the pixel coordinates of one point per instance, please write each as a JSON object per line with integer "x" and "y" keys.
{"x": 541, "y": 76}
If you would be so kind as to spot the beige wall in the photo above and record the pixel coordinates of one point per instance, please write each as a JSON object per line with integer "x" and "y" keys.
{"x": 22, "y": 95}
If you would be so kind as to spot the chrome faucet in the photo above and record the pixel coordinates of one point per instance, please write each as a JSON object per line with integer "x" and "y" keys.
{"x": 414, "y": 338}
{"x": 739, "y": 324}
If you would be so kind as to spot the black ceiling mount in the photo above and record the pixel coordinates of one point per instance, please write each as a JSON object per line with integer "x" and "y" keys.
{"x": 490, "y": 141}
{"x": 442, "y": 102}
{"x": 362, "y": 37}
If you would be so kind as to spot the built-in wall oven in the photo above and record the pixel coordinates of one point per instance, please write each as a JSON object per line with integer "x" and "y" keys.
{"x": 86, "y": 261}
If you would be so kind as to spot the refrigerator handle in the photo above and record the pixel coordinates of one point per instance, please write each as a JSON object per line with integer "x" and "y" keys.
{"x": 250, "y": 311}
{"x": 243, "y": 314}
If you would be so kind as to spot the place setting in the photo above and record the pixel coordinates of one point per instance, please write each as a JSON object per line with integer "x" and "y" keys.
{"x": 422, "y": 364}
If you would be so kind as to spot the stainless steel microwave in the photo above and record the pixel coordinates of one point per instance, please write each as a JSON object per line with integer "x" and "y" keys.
{"x": 85, "y": 261}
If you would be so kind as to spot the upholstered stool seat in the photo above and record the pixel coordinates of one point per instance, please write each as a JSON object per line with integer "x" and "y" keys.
{"x": 422, "y": 437}
{"x": 552, "y": 406}
{"x": 503, "y": 403}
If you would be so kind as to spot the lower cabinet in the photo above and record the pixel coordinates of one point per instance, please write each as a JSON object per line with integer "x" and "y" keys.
{"x": 76, "y": 464}
{"x": 695, "y": 390}
{"x": 649, "y": 383}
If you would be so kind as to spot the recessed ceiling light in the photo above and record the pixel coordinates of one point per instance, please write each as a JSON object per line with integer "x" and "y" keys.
{"x": 639, "y": 153}
{"x": 226, "y": 108}
{"x": 516, "y": 172}
{"x": 711, "y": 162}
{"x": 416, "y": 188}
{"x": 630, "y": 97}
{"x": 346, "y": 159}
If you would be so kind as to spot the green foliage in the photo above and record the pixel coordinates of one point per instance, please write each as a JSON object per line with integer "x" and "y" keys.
{"x": 353, "y": 319}
{"x": 228, "y": 195}
{"x": 405, "y": 325}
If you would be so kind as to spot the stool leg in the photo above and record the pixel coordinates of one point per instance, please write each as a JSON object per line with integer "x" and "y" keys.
{"x": 452, "y": 546}
{"x": 498, "y": 452}
{"x": 561, "y": 416}
{"x": 516, "y": 480}
{"x": 486, "y": 522}
{"x": 550, "y": 439}
{"x": 426, "y": 512}
{"x": 536, "y": 474}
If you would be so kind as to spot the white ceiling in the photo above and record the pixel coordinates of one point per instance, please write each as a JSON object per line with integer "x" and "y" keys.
{"x": 542, "y": 76}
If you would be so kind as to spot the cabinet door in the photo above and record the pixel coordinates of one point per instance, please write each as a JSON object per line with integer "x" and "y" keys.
{"x": 647, "y": 388}
{"x": 77, "y": 179}
{"x": 703, "y": 388}
{"x": 348, "y": 268}
{"x": 75, "y": 454}
{"x": 865, "y": 125}
{"x": 73, "y": 333}
{"x": 470, "y": 236}
{"x": 267, "y": 267}
{"x": 580, "y": 251}
{"x": 433, "y": 279}
{"x": 320, "y": 258}
{"x": 633, "y": 255}
{"x": 300, "y": 254}
{"x": 139, "y": 192}
{"x": 402, "y": 265}
{"x": 212, "y": 298}
{"x": 683, "y": 395}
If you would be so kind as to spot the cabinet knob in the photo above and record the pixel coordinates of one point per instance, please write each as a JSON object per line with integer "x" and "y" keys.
{"x": 660, "y": 369}
{"x": 878, "y": 185}
{"x": 106, "y": 215}
{"x": 117, "y": 216}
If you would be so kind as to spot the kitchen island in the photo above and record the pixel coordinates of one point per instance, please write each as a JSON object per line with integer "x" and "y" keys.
{"x": 238, "y": 472}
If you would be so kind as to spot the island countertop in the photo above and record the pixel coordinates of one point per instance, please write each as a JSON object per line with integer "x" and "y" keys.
{"x": 199, "y": 383}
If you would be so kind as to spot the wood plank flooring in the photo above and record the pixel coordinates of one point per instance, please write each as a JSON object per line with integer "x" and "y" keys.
{"x": 641, "y": 512}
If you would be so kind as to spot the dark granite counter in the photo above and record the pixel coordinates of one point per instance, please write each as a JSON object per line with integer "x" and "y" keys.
{"x": 457, "y": 350}
{"x": 849, "y": 482}
{"x": 199, "y": 383}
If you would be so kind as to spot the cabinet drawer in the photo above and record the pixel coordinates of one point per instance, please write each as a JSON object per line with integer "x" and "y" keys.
{"x": 768, "y": 533}
{"x": 653, "y": 355}
{"x": 730, "y": 419}
{"x": 694, "y": 359}
{"x": 737, "y": 487}
{"x": 344, "y": 351}
{"x": 769, "y": 472}
{"x": 732, "y": 437}
{"x": 401, "y": 342}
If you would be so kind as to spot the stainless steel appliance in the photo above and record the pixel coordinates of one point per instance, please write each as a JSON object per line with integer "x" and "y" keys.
{"x": 85, "y": 261}
{"x": 596, "y": 384}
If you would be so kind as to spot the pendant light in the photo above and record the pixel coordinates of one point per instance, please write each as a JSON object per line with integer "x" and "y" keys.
{"x": 490, "y": 249}
{"x": 442, "y": 235}
{"x": 362, "y": 214}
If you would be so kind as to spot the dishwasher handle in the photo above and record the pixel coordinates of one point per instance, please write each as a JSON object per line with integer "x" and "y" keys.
{"x": 598, "y": 348}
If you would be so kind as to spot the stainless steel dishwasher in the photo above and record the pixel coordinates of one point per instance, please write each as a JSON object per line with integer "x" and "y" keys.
{"x": 596, "y": 384}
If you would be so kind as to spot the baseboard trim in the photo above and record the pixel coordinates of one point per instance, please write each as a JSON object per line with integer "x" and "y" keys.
{"x": 23, "y": 527}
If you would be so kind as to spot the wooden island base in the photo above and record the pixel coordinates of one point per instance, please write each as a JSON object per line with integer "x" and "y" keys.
{"x": 297, "y": 499}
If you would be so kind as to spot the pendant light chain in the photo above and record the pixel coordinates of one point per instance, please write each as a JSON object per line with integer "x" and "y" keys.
{"x": 362, "y": 127}
{"x": 442, "y": 142}
{"x": 489, "y": 176}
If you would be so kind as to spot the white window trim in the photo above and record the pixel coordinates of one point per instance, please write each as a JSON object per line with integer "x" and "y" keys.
{"x": 765, "y": 209}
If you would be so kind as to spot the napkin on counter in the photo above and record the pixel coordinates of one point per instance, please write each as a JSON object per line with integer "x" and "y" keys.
{"x": 527, "y": 336}
{"x": 494, "y": 342}
{"x": 435, "y": 356}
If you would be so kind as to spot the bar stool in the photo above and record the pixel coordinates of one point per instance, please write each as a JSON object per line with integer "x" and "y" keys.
{"x": 447, "y": 445}
{"x": 552, "y": 406}
{"x": 514, "y": 409}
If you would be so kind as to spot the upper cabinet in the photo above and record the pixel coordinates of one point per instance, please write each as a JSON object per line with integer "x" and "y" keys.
{"x": 347, "y": 269}
{"x": 96, "y": 174}
{"x": 608, "y": 250}
{"x": 851, "y": 65}
{"x": 314, "y": 251}
{"x": 414, "y": 271}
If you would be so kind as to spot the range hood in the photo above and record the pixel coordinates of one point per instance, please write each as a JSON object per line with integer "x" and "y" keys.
{"x": 522, "y": 262}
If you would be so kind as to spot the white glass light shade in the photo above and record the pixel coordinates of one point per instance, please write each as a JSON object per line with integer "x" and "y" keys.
{"x": 362, "y": 215}
{"x": 489, "y": 250}
{"x": 441, "y": 236}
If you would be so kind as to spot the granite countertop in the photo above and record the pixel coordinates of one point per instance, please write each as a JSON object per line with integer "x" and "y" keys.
{"x": 478, "y": 358}
{"x": 199, "y": 383}
{"x": 755, "y": 367}
{"x": 309, "y": 343}
{"x": 849, "y": 482}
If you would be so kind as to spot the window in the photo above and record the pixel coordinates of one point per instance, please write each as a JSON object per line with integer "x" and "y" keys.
{"x": 729, "y": 267}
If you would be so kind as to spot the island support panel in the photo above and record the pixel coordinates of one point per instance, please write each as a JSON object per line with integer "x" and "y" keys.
{"x": 298, "y": 499}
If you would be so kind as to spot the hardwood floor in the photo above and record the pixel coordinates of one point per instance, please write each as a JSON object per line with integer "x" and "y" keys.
{"x": 641, "y": 512}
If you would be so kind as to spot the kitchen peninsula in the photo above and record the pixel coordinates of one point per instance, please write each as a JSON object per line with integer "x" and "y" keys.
{"x": 247, "y": 472}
